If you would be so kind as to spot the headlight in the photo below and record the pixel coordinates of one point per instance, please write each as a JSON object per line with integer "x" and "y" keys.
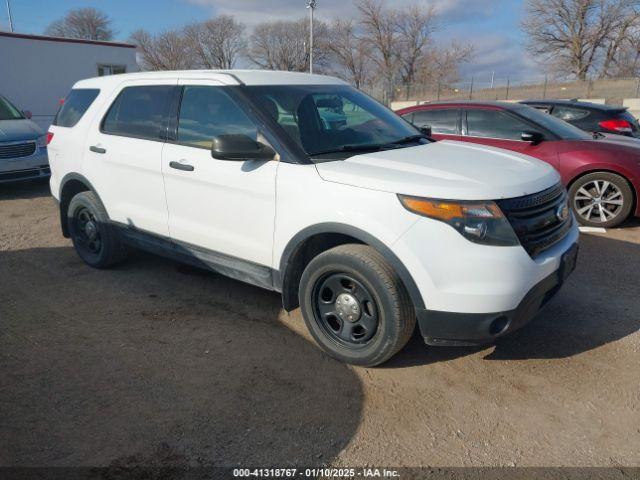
{"x": 479, "y": 222}
{"x": 41, "y": 142}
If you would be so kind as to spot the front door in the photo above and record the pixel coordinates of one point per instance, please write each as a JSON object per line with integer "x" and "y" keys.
{"x": 221, "y": 211}
{"x": 498, "y": 128}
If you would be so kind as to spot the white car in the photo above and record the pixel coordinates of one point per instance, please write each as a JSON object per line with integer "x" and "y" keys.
{"x": 364, "y": 223}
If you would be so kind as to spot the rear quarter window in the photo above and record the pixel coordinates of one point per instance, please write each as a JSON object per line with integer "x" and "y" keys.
{"x": 569, "y": 114}
{"x": 75, "y": 105}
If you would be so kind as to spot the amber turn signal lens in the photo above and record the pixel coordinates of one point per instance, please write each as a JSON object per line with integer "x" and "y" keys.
{"x": 443, "y": 210}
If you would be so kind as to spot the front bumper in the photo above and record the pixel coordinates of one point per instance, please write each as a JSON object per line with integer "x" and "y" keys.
{"x": 32, "y": 167}
{"x": 463, "y": 329}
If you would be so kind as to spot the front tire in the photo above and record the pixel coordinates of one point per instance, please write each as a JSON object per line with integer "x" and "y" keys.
{"x": 601, "y": 199}
{"x": 355, "y": 305}
{"x": 94, "y": 238}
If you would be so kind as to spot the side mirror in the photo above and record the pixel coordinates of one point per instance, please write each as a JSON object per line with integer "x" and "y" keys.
{"x": 532, "y": 137}
{"x": 27, "y": 114}
{"x": 240, "y": 147}
{"x": 426, "y": 129}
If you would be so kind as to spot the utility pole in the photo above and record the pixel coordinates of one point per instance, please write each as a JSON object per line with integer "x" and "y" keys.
{"x": 493, "y": 77}
{"x": 10, "y": 19}
{"x": 311, "y": 5}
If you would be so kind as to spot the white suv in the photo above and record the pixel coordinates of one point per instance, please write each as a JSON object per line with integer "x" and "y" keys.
{"x": 304, "y": 185}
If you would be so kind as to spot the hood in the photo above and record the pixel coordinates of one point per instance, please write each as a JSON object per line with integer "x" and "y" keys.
{"x": 445, "y": 170}
{"x": 15, "y": 130}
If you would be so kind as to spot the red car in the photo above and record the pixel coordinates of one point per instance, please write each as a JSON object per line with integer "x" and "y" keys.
{"x": 602, "y": 175}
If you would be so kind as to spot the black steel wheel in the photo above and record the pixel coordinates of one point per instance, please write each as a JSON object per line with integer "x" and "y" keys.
{"x": 355, "y": 305}
{"x": 87, "y": 231}
{"x": 94, "y": 237}
{"x": 345, "y": 309}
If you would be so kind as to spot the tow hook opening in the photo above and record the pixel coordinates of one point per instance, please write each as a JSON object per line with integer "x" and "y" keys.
{"x": 499, "y": 325}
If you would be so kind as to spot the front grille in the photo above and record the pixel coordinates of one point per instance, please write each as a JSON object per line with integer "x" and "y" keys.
{"x": 17, "y": 150}
{"x": 537, "y": 219}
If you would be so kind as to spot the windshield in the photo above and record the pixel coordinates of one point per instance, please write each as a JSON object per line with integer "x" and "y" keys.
{"x": 8, "y": 111}
{"x": 556, "y": 126}
{"x": 327, "y": 119}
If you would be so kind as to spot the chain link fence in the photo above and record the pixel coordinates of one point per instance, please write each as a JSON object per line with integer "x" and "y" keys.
{"x": 611, "y": 91}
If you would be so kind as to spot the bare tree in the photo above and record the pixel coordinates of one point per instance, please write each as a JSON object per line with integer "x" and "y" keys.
{"x": 622, "y": 47}
{"x": 415, "y": 28}
{"x": 380, "y": 27}
{"x": 574, "y": 34}
{"x": 168, "y": 50}
{"x": 85, "y": 23}
{"x": 282, "y": 45}
{"x": 216, "y": 43}
{"x": 439, "y": 66}
{"x": 349, "y": 52}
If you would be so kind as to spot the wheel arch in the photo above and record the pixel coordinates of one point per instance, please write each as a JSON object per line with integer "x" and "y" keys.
{"x": 70, "y": 186}
{"x": 313, "y": 240}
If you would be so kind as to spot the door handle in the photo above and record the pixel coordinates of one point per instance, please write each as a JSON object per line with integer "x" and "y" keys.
{"x": 182, "y": 166}
{"x": 97, "y": 149}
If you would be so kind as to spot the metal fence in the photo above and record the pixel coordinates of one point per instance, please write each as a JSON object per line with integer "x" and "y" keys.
{"x": 611, "y": 90}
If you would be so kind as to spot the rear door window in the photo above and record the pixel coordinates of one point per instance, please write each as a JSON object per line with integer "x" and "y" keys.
{"x": 74, "y": 106}
{"x": 442, "y": 121}
{"x": 140, "y": 112}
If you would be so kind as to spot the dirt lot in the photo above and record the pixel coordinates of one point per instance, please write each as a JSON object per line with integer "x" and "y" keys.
{"x": 157, "y": 363}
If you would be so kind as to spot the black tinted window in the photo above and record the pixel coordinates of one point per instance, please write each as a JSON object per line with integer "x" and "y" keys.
{"x": 139, "y": 112}
{"x": 444, "y": 121}
{"x": 77, "y": 102}
{"x": 207, "y": 112}
{"x": 569, "y": 114}
{"x": 494, "y": 124}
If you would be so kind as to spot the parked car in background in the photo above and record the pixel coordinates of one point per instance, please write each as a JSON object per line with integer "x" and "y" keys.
{"x": 304, "y": 185}
{"x": 602, "y": 176}
{"x": 23, "y": 146}
{"x": 591, "y": 117}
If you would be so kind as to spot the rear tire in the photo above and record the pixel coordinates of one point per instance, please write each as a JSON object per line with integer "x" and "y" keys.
{"x": 94, "y": 238}
{"x": 601, "y": 199}
{"x": 355, "y": 305}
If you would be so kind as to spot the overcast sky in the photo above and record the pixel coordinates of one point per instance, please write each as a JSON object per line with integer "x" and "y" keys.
{"x": 491, "y": 25}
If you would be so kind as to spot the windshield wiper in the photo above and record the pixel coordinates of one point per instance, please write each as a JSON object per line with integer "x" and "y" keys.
{"x": 371, "y": 148}
{"x": 409, "y": 139}
{"x": 349, "y": 148}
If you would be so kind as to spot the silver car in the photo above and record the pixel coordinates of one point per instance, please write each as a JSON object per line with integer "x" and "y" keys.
{"x": 23, "y": 146}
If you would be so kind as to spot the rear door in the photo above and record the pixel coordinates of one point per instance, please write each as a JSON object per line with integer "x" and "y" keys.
{"x": 124, "y": 151}
{"x": 499, "y": 128}
{"x": 444, "y": 122}
{"x": 219, "y": 210}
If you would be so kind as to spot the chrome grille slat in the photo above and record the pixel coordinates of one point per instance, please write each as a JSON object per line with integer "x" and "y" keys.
{"x": 17, "y": 150}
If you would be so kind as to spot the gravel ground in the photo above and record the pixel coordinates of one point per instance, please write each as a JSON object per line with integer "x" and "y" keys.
{"x": 154, "y": 363}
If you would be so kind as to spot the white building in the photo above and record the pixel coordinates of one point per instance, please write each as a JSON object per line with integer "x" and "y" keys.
{"x": 37, "y": 71}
